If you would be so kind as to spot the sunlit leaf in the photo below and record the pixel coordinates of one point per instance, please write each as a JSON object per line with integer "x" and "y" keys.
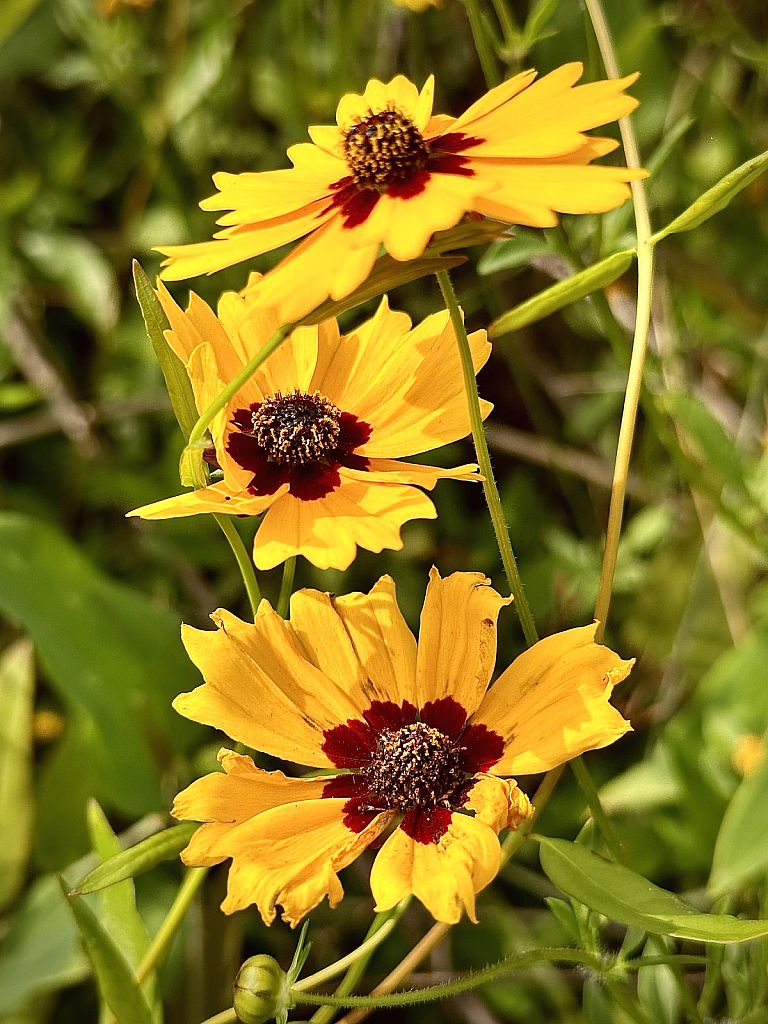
{"x": 599, "y": 275}
{"x": 716, "y": 198}
{"x": 17, "y": 678}
{"x": 622, "y": 895}
{"x": 176, "y": 377}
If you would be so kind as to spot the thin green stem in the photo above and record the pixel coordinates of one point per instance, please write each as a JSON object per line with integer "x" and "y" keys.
{"x": 484, "y": 51}
{"x": 506, "y": 21}
{"x": 236, "y": 383}
{"x": 225, "y": 1017}
{"x": 286, "y": 587}
{"x": 588, "y": 788}
{"x": 495, "y": 972}
{"x": 640, "y": 343}
{"x": 484, "y": 461}
{"x": 381, "y": 927}
{"x": 242, "y": 558}
{"x": 188, "y": 889}
{"x": 451, "y": 988}
{"x": 627, "y": 1002}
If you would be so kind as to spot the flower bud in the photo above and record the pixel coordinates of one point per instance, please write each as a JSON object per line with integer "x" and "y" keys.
{"x": 259, "y": 989}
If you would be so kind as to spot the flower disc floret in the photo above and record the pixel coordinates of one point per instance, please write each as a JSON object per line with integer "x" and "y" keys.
{"x": 384, "y": 148}
{"x": 416, "y": 767}
{"x": 296, "y": 427}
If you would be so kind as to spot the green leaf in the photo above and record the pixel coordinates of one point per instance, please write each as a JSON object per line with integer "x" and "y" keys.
{"x": 716, "y": 198}
{"x": 622, "y": 895}
{"x": 41, "y": 952}
{"x": 741, "y": 851}
{"x": 114, "y": 975}
{"x": 17, "y": 680}
{"x": 175, "y": 373}
{"x": 110, "y": 651}
{"x": 145, "y": 855}
{"x": 714, "y": 448}
{"x": 82, "y": 270}
{"x": 599, "y": 275}
{"x": 117, "y": 906}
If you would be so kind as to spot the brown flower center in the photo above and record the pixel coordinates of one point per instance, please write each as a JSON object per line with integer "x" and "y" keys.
{"x": 297, "y": 427}
{"x": 383, "y": 149}
{"x": 414, "y": 767}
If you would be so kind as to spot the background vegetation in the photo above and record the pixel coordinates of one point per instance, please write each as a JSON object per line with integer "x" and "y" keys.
{"x": 113, "y": 116}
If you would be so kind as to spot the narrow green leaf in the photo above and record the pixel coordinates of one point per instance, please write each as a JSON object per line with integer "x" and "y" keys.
{"x": 741, "y": 850}
{"x": 716, "y": 198}
{"x": 599, "y": 275}
{"x": 145, "y": 855}
{"x": 117, "y": 905}
{"x": 17, "y": 677}
{"x": 623, "y": 895}
{"x": 175, "y": 373}
{"x": 114, "y": 975}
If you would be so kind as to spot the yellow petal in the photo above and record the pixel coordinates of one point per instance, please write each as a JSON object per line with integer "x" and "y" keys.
{"x": 457, "y": 638}
{"x": 445, "y": 875}
{"x": 383, "y": 643}
{"x": 500, "y": 803}
{"x": 328, "y": 530}
{"x": 565, "y": 188}
{"x": 552, "y": 703}
{"x": 260, "y": 690}
{"x": 394, "y": 471}
{"x": 288, "y": 856}
{"x": 494, "y": 99}
{"x": 327, "y": 263}
{"x": 234, "y": 245}
{"x": 217, "y": 498}
{"x": 320, "y": 633}
{"x": 225, "y": 799}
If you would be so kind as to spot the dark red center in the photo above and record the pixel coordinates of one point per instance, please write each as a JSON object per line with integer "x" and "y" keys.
{"x": 387, "y": 154}
{"x": 298, "y": 438}
{"x": 420, "y": 764}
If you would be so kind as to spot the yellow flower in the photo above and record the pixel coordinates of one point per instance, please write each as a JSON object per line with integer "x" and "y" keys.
{"x": 419, "y": 743}
{"x": 393, "y": 173}
{"x": 314, "y": 438}
{"x": 417, "y": 5}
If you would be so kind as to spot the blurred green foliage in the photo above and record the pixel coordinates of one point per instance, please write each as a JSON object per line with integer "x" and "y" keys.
{"x": 113, "y": 116}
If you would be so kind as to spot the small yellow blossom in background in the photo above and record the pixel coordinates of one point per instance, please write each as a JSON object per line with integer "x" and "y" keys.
{"x": 391, "y": 173}
{"x": 315, "y": 436}
{"x": 418, "y": 737}
{"x": 108, "y": 7}
{"x": 749, "y": 753}
{"x": 417, "y": 5}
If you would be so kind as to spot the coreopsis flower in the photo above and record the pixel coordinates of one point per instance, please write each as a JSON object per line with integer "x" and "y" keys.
{"x": 420, "y": 746}
{"x": 391, "y": 173}
{"x": 314, "y": 439}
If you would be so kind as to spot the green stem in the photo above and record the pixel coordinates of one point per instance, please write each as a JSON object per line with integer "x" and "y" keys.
{"x": 243, "y": 560}
{"x": 451, "y": 988}
{"x": 193, "y": 879}
{"x": 484, "y": 461}
{"x": 286, "y": 587}
{"x": 380, "y": 928}
{"x": 484, "y": 52}
{"x": 225, "y": 1017}
{"x": 495, "y": 972}
{"x": 506, "y": 21}
{"x": 640, "y": 343}
{"x": 357, "y": 961}
{"x": 236, "y": 383}
{"x": 589, "y": 790}
{"x": 686, "y": 996}
{"x": 627, "y": 1002}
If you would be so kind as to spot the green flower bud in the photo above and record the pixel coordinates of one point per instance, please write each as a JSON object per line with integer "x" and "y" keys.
{"x": 260, "y": 989}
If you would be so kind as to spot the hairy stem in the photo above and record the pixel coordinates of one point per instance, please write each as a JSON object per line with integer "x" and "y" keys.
{"x": 286, "y": 587}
